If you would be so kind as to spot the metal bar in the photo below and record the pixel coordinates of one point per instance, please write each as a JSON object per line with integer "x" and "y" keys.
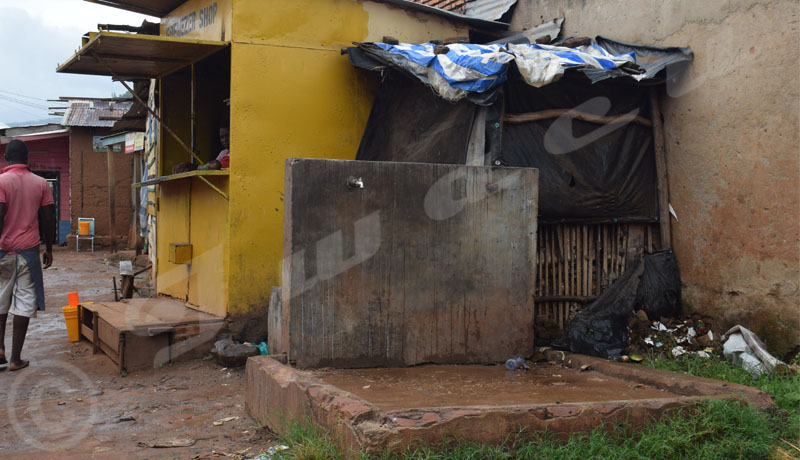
{"x": 216, "y": 189}
{"x": 192, "y": 114}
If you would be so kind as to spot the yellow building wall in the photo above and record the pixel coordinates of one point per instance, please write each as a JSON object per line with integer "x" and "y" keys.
{"x": 173, "y": 227}
{"x": 192, "y": 212}
{"x": 202, "y": 19}
{"x": 208, "y": 273}
{"x": 294, "y": 95}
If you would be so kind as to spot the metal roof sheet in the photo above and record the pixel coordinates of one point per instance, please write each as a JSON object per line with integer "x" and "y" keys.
{"x": 490, "y": 10}
{"x": 137, "y": 56}
{"x": 95, "y": 113}
{"x": 457, "y": 6}
{"x": 158, "y": 8}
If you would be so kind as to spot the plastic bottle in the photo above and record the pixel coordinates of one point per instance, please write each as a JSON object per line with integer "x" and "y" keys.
{"x": 516, "y": 363}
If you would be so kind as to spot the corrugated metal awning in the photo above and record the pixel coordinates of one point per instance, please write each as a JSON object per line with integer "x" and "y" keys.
{"x": 137, "y": 56}
{"x": 159, "y": 8}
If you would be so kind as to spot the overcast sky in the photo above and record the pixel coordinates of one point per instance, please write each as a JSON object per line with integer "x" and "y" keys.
{"x": 37, "y": 35}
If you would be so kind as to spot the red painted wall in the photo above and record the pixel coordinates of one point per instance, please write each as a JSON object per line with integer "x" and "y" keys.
{"x": 50, "y": 155}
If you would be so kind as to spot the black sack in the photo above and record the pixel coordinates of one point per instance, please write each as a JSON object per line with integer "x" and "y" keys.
{"x": 652, "y": 284}
{"x": 660, "y": 289}
{"x": 602, "y": 329}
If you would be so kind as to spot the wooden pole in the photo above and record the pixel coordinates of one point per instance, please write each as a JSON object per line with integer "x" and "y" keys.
{"x": 662, "y": 182}
{"x": 112, "y": 215}
{"x": 517, "y": 118}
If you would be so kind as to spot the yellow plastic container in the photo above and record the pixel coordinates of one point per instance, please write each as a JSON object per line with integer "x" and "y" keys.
{"x": 84, "y": 227}
{"x": 71, "y": 318}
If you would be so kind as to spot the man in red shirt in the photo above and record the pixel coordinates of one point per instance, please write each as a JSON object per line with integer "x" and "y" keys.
{"x": 25, "y": 199}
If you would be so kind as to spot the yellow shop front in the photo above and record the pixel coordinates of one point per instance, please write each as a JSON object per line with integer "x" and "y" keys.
{"x": 273, "y": 71}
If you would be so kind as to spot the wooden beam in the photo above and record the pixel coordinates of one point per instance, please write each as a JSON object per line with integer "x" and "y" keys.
{"x": 572, "y": 113}
{"x": 662, "y": 180}
{"x": 112, "y": 212}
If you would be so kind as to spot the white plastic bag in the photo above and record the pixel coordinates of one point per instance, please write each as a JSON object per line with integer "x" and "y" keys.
{"x": 745, "y": 349}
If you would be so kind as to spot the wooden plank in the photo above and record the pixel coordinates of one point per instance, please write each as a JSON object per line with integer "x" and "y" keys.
{"x": 112, "y": 212}
{"x": 565, "y": 298}
{"x": 108, "y": 351}
{"x": 662, "y": 179}
{"x": 579, "y": 262}
{"x": 87, "y": 332}
{"x": 95, "y": 335}
{"x": 476, "y": 149}
{"x": 108, "y": 334}
{"x": 146, "y": 313}
{"x": 518, "y": 118}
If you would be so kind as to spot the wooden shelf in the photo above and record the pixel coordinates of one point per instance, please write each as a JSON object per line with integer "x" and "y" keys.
{"x": 186, "y": 175}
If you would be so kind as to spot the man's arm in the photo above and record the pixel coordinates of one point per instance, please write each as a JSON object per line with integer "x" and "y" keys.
{"x": 48, "y": 223}
{"x": 2, "y": 217}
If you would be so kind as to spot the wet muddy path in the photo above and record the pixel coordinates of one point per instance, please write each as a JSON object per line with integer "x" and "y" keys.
{"x": 70, "y": 404}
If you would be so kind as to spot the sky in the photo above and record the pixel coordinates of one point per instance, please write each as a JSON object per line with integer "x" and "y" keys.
{"x": 37, "y": 35}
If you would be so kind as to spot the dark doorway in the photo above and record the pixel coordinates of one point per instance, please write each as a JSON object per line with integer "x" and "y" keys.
{"x": 54, "y": 181}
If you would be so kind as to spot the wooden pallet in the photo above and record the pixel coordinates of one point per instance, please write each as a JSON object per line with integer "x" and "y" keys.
{"x": 144, "y": 333}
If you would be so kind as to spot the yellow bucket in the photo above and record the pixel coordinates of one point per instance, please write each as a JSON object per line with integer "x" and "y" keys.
{"x": 83, "y": 228}
{"x": 71, "y": 318}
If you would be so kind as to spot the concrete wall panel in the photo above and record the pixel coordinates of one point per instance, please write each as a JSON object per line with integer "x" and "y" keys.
{"x": 425, "y": 263}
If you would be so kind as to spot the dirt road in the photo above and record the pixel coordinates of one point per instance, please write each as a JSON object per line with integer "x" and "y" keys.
{"x": 70, "y": 404}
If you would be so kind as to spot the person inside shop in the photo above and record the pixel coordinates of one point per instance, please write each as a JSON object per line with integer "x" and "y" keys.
{"x": 221, "y": 161}
{"x": 224, "y": 157}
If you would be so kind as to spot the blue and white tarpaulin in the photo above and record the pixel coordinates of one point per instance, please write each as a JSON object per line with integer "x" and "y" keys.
{"x": 465, "y": 68}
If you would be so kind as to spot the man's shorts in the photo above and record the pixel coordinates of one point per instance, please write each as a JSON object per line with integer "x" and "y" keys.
{"x": 17, "y": 291}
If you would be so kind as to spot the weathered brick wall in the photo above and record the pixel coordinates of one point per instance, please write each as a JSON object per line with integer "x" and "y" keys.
{"x": 732, "y": 132}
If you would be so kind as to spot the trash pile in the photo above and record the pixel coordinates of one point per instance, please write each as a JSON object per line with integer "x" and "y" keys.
{"x": 234, "y": 354}
{"x": 675, "y": 337}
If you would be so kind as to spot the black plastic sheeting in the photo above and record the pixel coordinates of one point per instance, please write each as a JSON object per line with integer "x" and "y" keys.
{"x": 652, "y": 284}
{"x": 612, "y": 178}
{"x": 408, "y": 123}
{"x": 587, "y": 171}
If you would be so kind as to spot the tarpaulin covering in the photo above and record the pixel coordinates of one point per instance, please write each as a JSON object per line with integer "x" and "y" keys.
{"x": 651, "y": 284}
{"x": 408, "y": 123}
{"x": 460, "y": 69}
{"x": 587, "y": 171}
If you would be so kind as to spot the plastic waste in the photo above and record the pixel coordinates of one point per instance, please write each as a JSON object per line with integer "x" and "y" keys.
{"x": 263, "y": 349}
{"x": 745, "y": 349}
{"x": 516, "y": 363}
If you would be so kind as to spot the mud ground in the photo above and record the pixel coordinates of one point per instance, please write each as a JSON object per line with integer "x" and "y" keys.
{"x": 70, "y": 404}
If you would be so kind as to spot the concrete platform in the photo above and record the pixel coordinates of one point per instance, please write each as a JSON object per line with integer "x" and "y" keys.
{"x": 394, "y": 408}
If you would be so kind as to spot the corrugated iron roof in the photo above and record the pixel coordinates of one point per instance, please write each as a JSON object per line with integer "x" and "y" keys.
{"x": 456, "y": 6}
{"x": 95, "y": 113}
{"x": 489, "y": 10}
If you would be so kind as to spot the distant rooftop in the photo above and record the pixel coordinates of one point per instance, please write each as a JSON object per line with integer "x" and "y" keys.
{"x": 93, "y": 112}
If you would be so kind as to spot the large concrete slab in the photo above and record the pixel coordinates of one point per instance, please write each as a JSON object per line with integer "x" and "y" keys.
{"x": 376, "y": 409}
{"x": 395, "y": 264}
